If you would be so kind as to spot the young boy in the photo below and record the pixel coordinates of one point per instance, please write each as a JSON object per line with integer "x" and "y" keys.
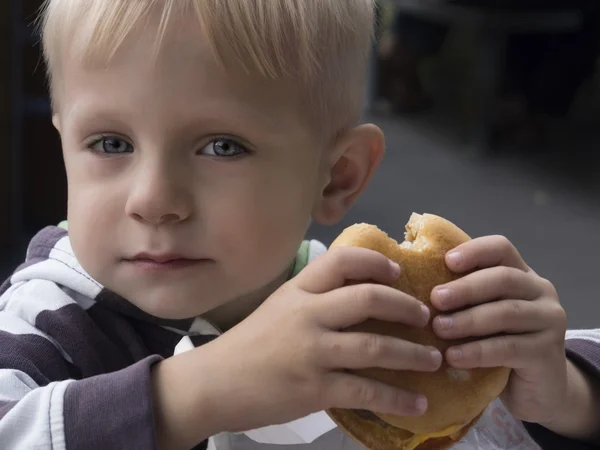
{"x": 200, "y": 137}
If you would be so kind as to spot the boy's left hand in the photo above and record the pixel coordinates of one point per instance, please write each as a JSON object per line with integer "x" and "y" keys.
{"x": 517, "y": 315}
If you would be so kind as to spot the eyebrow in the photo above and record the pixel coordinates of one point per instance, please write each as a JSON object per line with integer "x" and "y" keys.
{"x": 248, "y": 120}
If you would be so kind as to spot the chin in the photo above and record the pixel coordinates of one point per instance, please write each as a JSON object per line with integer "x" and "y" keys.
{"x": 172, "y": 302}
{"x": 169, "y": 306}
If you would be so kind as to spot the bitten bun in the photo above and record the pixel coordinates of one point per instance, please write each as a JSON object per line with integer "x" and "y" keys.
{"x": 456, "y": 397}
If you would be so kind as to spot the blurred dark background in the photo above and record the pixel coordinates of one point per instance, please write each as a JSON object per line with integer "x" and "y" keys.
{"x": 32, "y": 177}
{"x": 491, "y": 111}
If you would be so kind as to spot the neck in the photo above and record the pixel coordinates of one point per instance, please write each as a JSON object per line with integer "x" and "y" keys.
{"x": 230, "y": 314}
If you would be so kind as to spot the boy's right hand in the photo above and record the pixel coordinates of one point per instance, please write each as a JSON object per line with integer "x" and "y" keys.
{"x": 290, "y": 358}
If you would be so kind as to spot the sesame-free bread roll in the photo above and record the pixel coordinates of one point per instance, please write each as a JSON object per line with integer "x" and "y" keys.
{"x": 456, "y": 397}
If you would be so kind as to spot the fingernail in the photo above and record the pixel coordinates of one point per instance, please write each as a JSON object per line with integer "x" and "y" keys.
{"x": 444, "y": 296}
{"x": 445, "y": 323}
{"x": 421, "y": 404}
{"x": 395, "y": 268}
{"x": 426, "y": 312}
{"x": 456, "y": 258}
{"x": 455, "y": 354}
{"x": 436, "y": 356}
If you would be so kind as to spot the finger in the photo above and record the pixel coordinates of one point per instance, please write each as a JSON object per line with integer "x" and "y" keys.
{"x": 505, "y": 316}
{"x": 514, "y": 351}
{"x": 481, "y": 253}
{"x": 351, "y": 305}
{"x": 364, "y": 350}
{"x": 341, "y": 265}
{"x": 484, "y": 286}
{"x": 350, "y": 391}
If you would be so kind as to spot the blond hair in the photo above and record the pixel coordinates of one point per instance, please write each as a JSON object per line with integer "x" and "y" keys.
{"x": 323, "y": 45}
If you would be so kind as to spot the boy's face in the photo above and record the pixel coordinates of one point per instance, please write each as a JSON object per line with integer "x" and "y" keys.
{"x": 188, "y": 187}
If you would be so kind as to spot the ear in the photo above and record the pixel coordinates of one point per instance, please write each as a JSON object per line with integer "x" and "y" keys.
{"x": 56, "y": 122}
{"x": 351, "y": 163}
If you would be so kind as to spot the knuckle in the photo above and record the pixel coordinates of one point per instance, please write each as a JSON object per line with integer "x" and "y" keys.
{"x": 467, "y": 320}
{"x": 367, "y": 395}
{"x": 365, "y": 297}
{"x": 324, "y": 394}
{"x": 506, "y": 247}
{"x": 462, "y": 289}
{"x": 558, "y": 316}
{"x": 323, "y": 348}
{"x": 513, "y": 311}
{"x": 345, "y": 256}
{"x": 336, "y": 256}
{"x": 503, "y": 242}
{"x": 511, "y": 348}
{"x": 372, "y": 346}
{"x": 508, "y": 276}
{"x": 476, "y": 352}
{"x": 548, "y": 287}
{"x": 557, "y": 346}
{"x": 310, "y": 351}
{"x": 304, "y": 307}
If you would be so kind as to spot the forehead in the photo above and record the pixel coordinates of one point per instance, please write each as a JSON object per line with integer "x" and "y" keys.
{"x": 183, "y": 78}
{"x": 178, "y": 48}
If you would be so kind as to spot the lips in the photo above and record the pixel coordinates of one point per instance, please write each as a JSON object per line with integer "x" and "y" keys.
{"x": 163, "y": 261}
{"x": 160, "y": 258}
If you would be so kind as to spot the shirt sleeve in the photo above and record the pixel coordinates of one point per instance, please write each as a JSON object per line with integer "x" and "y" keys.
{"x": 44, "y": 406}
{"x": 583, "y": 349}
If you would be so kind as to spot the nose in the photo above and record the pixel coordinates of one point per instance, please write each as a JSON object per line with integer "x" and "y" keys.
{"x": 159, "y": 195}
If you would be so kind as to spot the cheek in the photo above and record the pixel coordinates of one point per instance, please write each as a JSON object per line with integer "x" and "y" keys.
{"x": 96, "y": 191}
{"x": 94, "y": 216}
{"x": 94, "y": 205}
{"x": 265, "y": 220}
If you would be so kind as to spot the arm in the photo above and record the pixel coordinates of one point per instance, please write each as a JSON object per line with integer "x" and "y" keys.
{"x": 579, "y": 420}
{"x": 42, "y": 406}
{"x": 44, "y": 402}
{"x": 185, "y": 410}
{"x": 580, "y": 417}
{"x": 583, "y": 418}
{"x": 61, "y": 387}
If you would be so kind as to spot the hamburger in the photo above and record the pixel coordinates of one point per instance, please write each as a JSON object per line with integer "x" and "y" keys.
{"x": 457, "y": 398}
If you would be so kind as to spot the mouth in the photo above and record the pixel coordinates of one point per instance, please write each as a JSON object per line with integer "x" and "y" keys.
{"x": 162, "y": 262}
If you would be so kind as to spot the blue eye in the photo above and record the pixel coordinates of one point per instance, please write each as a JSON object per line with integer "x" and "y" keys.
{"x": 111, "y": 145}
{"x": 223, "y": 148}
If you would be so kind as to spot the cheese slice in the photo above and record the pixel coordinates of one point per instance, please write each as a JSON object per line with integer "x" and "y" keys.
{"x": 452, "y": 432}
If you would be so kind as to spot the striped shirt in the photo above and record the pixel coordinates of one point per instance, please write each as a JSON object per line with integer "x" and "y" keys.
{"x": 75, "y": 358}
